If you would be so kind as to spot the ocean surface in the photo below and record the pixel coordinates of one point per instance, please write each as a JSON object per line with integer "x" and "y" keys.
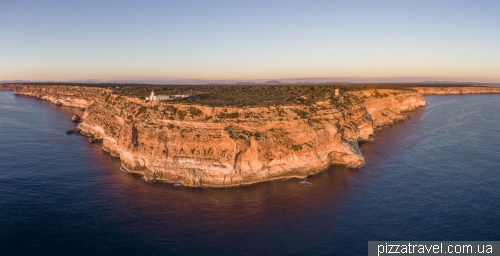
{"x": 434, "y": 177}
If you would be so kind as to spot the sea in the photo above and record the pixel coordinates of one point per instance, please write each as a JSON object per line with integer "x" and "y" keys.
{"x": 433, "y": 177}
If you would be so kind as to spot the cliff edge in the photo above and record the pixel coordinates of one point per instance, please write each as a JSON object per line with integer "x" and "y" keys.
{"x": 63, "y": 95}
{"x": 209, "y": 146}
{"x": 215, "y": 146}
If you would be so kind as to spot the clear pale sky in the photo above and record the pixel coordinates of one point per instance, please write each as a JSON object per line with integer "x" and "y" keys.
{"x": 250, "y": 40}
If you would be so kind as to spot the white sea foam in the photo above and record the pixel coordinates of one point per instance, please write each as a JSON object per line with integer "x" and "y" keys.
{"x": 304, "y": 182}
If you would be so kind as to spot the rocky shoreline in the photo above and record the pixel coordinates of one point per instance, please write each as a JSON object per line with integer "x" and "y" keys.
{"x": 210, "y": 146}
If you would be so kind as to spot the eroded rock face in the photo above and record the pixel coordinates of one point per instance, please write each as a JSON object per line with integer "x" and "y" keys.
{"x": 214, "y": 146}
{"x": 76, "y": 118}
{"x": 211, "y": 146}
{"x": 70, "y": 96}
{"x": 7, "y": 87}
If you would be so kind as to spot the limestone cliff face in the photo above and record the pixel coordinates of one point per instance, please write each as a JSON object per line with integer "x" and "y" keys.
{"x": 211, "y": 146}
{"x": 457, "y": 90}
{"x": 71, "y": 96}
{"x": 7, "y": 87}
{"x": 214, "y": 146}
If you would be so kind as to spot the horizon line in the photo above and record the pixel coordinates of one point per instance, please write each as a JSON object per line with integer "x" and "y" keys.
{"x": 303, "y": 80}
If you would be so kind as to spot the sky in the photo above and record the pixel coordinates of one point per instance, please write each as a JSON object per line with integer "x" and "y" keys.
{"x": 202, "y": 41}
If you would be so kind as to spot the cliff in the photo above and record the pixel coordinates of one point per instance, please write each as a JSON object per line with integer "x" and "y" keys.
{"x": 71, "y": 96}
{"x": 7, "y": 87}
{"x": 212, "y": 146}
{"x": 228, "y": 146}
{"x": 445, "y": 90}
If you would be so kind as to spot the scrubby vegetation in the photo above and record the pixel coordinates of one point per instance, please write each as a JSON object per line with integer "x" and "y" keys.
{"x": 258, "y": 95}
{"x": 380, "y": 95}
{"x": 194, "y": 111}
{"x": 182, "y": 114}
{"x": 141, "y": 110}
{"x": 300, "y": 113}
{"x": 246, "y": 95}
{"x": 228, "y": 115}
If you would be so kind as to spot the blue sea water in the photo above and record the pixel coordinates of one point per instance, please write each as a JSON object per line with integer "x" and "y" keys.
{"x": 435, "y": 177}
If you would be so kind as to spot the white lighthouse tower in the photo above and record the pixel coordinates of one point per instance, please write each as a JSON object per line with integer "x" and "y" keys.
{"x": 152, "y": 96}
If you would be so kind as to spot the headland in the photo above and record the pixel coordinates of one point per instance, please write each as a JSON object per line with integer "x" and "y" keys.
{"x": 231, "y": 135}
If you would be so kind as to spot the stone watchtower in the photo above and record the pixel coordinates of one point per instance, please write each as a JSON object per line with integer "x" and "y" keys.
{"x": 337, "y": 92}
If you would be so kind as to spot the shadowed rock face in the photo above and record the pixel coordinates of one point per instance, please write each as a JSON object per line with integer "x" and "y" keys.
{"x": 76, "y": 118}
{"x": 213, "y": 146}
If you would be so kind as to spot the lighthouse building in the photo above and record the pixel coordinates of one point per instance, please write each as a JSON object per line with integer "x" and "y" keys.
{"x": 158, "y": 97}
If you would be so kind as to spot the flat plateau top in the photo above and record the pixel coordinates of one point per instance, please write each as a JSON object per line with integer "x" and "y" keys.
{"x": 255, "y": 95}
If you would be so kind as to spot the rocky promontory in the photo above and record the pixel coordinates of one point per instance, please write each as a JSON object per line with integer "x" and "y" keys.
{"x": 63, "y": 95}
{"x": 197, "y": 145}
{"x": 217, "y": 146}
{"x": 7, "y": 87}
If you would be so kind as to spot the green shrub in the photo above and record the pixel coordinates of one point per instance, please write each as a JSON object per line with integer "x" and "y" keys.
{"x": 182, "y": 114}
{"x": 300, "y": 113}
{"x": 194, "y": 111}
{"x": 228, "y": 115}
{"x": 141, "y": 110}
{"x": 171, "y": 109}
